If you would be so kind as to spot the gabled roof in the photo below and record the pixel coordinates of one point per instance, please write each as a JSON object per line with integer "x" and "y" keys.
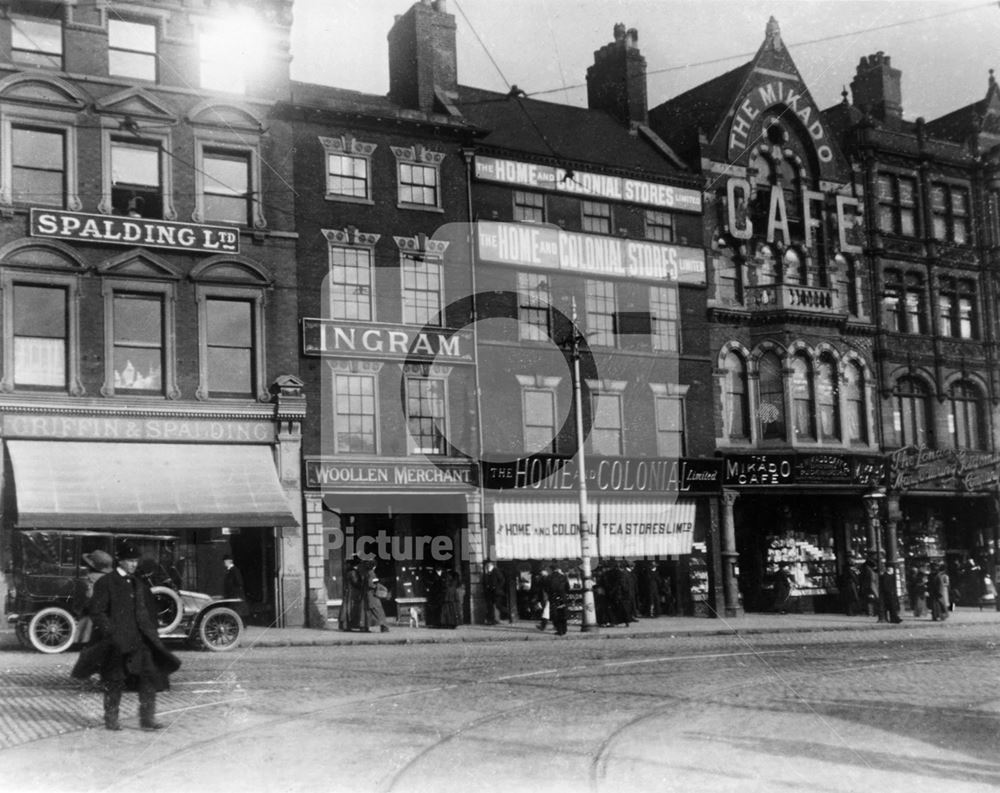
{"x": 565, "y": 133}
{"x": 981, "y": 116}
{"x": 703, "y": 108}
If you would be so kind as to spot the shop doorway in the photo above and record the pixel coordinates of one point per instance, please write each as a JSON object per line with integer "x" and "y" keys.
{"x": 253, "y": 552}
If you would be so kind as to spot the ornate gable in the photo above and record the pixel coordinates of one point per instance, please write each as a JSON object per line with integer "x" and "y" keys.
{"x": 49, "y": 92}
{"x": 139, "y": 264}
{"x": 227, "y": 115}
{"x": 135, "y": 103}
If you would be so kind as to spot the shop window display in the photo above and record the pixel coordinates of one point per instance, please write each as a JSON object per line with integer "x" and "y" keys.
{"x": 812, "y": 565}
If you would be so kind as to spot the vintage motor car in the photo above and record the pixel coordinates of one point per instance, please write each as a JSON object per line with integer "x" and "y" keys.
{"x": 47, "y": 600}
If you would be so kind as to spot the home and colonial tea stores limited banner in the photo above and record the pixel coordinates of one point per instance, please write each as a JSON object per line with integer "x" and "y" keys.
{"x": 550, "y": 529}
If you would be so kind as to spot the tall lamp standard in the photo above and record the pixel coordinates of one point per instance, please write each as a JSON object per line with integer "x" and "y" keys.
{"x": 588, "y": 622}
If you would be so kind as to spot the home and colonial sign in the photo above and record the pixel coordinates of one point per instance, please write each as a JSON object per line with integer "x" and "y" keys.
{"x": 384, "y": 476}
{"x": 325, "y": 337}
{"x": 551, "y": 248}
{"x": 145, "y": 232}
{"x": 545, "y": 472}
{"x": 589, "y": 184}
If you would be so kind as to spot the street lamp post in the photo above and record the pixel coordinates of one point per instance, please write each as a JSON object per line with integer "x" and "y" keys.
{"x": 588, "y": 622}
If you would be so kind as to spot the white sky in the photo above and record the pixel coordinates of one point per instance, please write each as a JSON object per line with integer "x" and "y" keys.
{"x": 541, "y": 45}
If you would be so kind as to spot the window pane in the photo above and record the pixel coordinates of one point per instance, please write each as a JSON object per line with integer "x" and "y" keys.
{"x": 37, "y": 42}
{"x": 226, "y": 173}
{"x": 134, "y": 36}
{"x": 138, "y": 165}
{"x": 40, "y": 311}
{"x": 354, "y": 419}
{"x": 40, "y": 336}
{"x": 226, "y": 209}
{"x": 772, "y": 398}
{"x": 350, "y": 284}
{"x": 37, "y": 166}
{"x": 132, "y": 64}
{"x": 229, "y": 323}
{"x": 229, "y": 370}
{"x": 138, "y": 357}
{"x": 137, "y": 368}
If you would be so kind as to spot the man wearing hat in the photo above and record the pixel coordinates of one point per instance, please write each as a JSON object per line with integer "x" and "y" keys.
{"x": 98, "y": 564}
{"x": 127, "y": 646}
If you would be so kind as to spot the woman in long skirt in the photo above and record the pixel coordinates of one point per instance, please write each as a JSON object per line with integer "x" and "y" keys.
{"x": 451, "y": 607}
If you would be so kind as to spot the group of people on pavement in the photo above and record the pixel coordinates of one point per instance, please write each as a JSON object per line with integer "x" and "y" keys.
{"x": 868, "y": 591}
{"x": 361, "y": 609}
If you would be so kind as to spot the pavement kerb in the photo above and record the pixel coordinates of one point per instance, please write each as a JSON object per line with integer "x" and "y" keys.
{"x": 273, "y": 637}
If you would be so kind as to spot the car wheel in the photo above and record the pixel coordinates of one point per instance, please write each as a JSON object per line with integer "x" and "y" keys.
{"x": 168, "y": 609}
{"x": 52, "y": 630}
{"x": 220, "y": 630}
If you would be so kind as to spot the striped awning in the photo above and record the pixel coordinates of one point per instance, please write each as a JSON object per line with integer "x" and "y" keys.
{"x": 78, "y": 485}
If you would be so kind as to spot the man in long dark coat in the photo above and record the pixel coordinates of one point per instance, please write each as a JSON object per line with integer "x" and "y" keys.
{"x": 127, "y": 647}
{"x": 494, "y": 592}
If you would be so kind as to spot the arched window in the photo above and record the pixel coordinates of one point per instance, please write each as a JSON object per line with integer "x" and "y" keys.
{"x": 965, "y": 416}
{"x": 910, "y": 414}
{"x": 856, "y": 417}
{"x": 827, "y": 399}
{"x": 803, "y": 398}
{"x": 735, "y": 402}
{"x": 772, "y": 398}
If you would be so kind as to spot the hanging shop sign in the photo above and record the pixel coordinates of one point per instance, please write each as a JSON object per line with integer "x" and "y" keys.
{"x": 551, "y": 248}
{"x": 587, "y": 184}
{"x": 546, "y": 472}
{"x": 386, "y": 342}
{"x": 336, "y": 475}
{"x": 742, "y": 470}
{"x": 920, "y": 468}
{"x": 146, "y": 232}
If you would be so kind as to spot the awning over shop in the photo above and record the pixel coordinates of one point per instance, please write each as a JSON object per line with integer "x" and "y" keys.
{"x": 538, "y": 529}
{"x": 62, "y": 484}
{"x": 646, "y": 528}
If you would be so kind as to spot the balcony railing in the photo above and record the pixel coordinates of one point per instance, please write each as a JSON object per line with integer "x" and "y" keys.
{"x": 793, "y": 297}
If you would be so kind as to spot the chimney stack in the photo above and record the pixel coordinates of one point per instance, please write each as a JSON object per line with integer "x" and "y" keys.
{"x": 616, "y": 83}
{"x": 877, "y": 88}
{"x": 422, "y": 59}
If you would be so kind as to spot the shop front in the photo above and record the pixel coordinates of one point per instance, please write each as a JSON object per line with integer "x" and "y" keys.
{"x": 410, "y": 520}
{"x": 651, "y": 516}
{"x": 799, "y": 521}
{"x": 942, "y": 508}
{"x": 208, "y": 486}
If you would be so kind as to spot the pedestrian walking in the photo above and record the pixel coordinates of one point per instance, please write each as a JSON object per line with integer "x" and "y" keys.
{"x": 783, "y": 584}
{"x": 940, "y": 586}
{"x": 494, "y": 587}
{"x": 375, "y": 593}
{"x": 631, "y": 590}
{"x": 540, "y": 597}
{"x": 919, "y": 592}
{"x": 232, "y": 586}
{"x": 127, "y": 649}
{"x": 850, "y": 588}
{"x": 98, "y": 564}
{"x": 354, "y": 604}
{"x": 889, "y": 595}
{"x": 558, "y": 597}
{"x": 451, "y": 605}
{"x": 870, "y": 589}
{"x": 618, "y": 605}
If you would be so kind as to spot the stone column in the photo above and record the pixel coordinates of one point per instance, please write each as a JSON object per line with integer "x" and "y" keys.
{"x": 474, "y": 547}
{"x": 316, "y": 554}
{"x": 730, "y": 556}
{"x": 290, "y": 410}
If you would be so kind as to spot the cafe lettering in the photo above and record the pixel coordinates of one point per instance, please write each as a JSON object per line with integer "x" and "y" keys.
{"x": 55, "y": 224}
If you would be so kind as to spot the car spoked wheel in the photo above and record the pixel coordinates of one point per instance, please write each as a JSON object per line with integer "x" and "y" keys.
{"x": 168, "y": 609}
{"x": 52, "y": 630}
{"x": 220, "y": 630}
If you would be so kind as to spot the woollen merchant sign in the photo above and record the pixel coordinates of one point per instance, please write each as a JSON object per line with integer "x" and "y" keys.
{"x": 147, "y": 232}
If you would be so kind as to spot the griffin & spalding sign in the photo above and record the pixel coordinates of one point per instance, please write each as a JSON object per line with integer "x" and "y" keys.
{"x": 147, "y": 232}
